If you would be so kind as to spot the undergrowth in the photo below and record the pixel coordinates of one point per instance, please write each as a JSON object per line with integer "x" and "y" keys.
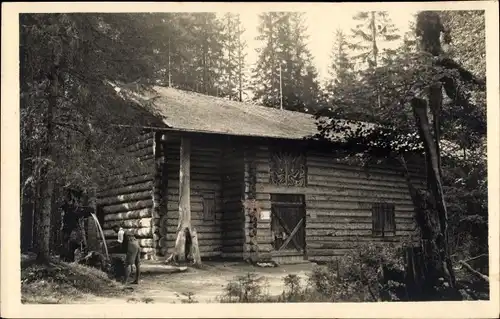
{"x": 61, "y": 282}
{"x": 370, "y": 272}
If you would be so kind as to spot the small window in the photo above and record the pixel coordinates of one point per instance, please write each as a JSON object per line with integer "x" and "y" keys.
{"x": 383, "y": 219}
{"x": 209, "y": 206}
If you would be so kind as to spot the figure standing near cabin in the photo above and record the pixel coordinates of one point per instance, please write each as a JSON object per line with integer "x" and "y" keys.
{"x": 129, "y": 245}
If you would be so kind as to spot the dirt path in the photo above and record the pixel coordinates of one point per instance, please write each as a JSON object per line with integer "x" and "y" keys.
{"x": 206, "y": 284}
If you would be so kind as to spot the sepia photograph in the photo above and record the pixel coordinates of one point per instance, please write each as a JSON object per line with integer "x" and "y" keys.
{"x": 253, "y": 154}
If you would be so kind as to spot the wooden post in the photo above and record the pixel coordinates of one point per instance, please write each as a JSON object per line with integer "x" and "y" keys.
{"x": 184, "y": 224}
{"x": 185, "y": 183}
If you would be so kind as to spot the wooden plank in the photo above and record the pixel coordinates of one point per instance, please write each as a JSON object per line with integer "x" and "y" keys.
{"x": 292, "y": 236}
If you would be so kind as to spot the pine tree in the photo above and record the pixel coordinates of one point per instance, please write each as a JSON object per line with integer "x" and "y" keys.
{"x": 371, "y": 33}
{"x": 209, "y": 48}
{"x": 341, "y": 70}
{"x": 284, "y": 74}
{"x": 374, "y": 29}
{"x": 233, "y": 79}
{"x": 266, "y": 71}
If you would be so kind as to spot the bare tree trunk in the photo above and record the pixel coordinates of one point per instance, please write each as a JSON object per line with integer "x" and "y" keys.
{"x": 47, "y": 184}
{"x": 46, "y": 179}
{"x": 431, "y": 212}
{"x": 240, "y": 84}
{"x": 375, "y": 54}
{"x": 169, "y": 64}
{"x": 186, "y": 243}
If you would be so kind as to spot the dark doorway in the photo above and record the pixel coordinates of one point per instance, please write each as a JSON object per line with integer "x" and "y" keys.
{"x": 288, "y": 219}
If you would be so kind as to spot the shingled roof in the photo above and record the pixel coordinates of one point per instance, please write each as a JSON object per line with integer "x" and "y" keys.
{"x": 188, "y": 111}
{"x": 194, "y": 112}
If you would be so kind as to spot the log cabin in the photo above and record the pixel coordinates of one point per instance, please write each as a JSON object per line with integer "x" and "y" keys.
{"x": 259, "y": 188}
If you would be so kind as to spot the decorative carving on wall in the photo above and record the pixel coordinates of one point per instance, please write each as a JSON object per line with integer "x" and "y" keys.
{"x": 288, "y": 168}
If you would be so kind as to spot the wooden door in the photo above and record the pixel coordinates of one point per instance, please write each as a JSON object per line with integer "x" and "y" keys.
{"x": 288, "y": 222}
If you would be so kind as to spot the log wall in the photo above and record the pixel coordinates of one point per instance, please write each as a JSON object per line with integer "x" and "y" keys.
{"x": 339, "y": 197}
{"x": 233, "y": 220}
{"x": 205, "y": 182}
{"x": 129, "y": 200}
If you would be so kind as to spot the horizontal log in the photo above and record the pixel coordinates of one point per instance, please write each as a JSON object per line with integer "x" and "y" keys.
{"x": 347, "y": 205}
{"x": 129, "y": 206}
{"x": 205, "y": 251}
{"x": 132, "y": 180}
{"x": 172, "y": 235}
{"x": 195, "y": 207}
{"x": 354, "y": 239}
{"x": 145, "y": 212}
{"x": 207, "y": 226}
{"x": 355, "y": 219}
{"x": 232, "y": 241}
{"x": 145, "y": 186}
{"x": 339, "y": 226}
{"x": 382, "y": 170}
{"x": 229, "y": 249}
{"x": 352, "y": 232}
{"x": 144, "y": 232}
{"x": 266, "y": 188}
{"x": 233, "y": 205}
{"x": 139, "y": 140}
{"x": 130, "y": 223}
{"x": 208, "y": 254}
{"x": 263, "y": 225}
{"x": 148, "y": 161}
{"x": 233, "y": 235}
{"x": 342, "y": 232}
{"x": 335, "y": 194}
{"x": 126, "y": 198}
{"x": 140, "y": 152}
{"x": 232, "y": 255}
{"x": 354, "y": 172}
{"x": 364, "y": 211}
{"x": 321, "y": 160}
{"x": 235, "y": 223}
{"x": 139, "y": 145}
{"x": 326, "y": 180}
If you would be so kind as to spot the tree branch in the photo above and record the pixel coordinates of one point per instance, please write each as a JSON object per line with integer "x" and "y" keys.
{"x": 473, "y": 271}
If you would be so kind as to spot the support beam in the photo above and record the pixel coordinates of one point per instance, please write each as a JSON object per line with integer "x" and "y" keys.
{"x": 185, "y": 183}
{"x": 186, "y": 236}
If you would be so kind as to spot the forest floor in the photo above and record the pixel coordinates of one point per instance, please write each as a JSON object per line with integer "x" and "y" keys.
{"x": 66, "y": 283}
{"x": 204, "y": 285}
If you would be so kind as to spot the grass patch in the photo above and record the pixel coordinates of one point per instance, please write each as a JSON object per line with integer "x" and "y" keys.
{"x": 61, "y": 282}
